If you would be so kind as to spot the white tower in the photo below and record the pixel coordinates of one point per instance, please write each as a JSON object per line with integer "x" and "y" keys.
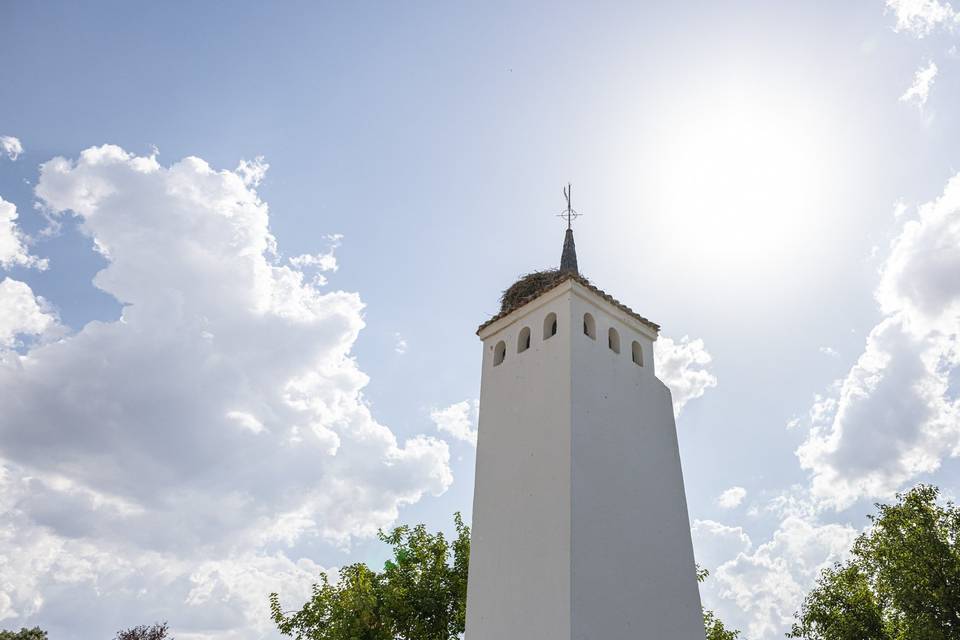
{"x": 580, "y": 526}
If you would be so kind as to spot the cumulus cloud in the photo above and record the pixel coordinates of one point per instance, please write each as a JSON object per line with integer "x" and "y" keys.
{"x": 326, "y": 261}
{"x": 13, "y": 243}
{"x": 252, "y": 172}
{"x": 11, "y": 147}
{"x": 919, "y": 277}
{"x": 237, "y": 585}
{"x": 893, "y": 417}
{"x": 400, "y": 346}
{"x": 183, "y": 452}
{"x": 22, "y": 314}
{"x": 683, "y": 366}
{"x": 921, "y": 17}
{"x": 458, "y": 420}
{"x": 758, "y": 587}
{"x": 899, "y": 208}
{"x": 767, "y": 583}
{"x": 919, "y": 91}
{"x": 716, "y": 543}
{"x": 891, "y": 422}
{"x": 74, "y": 581}
{"x": 731, "y": 498}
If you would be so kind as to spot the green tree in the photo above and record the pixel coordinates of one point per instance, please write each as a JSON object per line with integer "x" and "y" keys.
{"x": 841, "y": 607}
{"x": 902, "y": 581}
{"x": 24, "y": 634}
{"x": 714, "y": 627}
{"x": 157, "y": 631}
{"x": 352, "y": 608}
{"x": 419, "y": 595}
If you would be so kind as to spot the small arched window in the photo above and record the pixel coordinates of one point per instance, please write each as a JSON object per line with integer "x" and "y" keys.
{"x": 589, "y": 326}
{"x": 499, "y": 353}
{"x": 523, "y": 342}
{"x": 613, "y": 340}
{"x": 550, "y": 325}
{"x": 637, "y": 354}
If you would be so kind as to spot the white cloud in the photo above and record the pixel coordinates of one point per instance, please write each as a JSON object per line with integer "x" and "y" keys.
{"x": 247, "y": 421}
{"x": 767, "y": 584}
{"x": 716, "y": 543}
{"x": 401, "y": 344}
{"x": 13, "y": 243}
{"x": 888, "y": 421}
{"x": 758, "y": 587}
{"x": 899, "y": 208}
{"x": 251, "y": 172}
{"x": 173, "y": 459}
{"x": 239, "y": 585}
{"x": 919, "y": 277}
{"x": 731, "y": 498}
{"x": 22, "y": 314}
{"x": 922, "y": 17}
{"x": 326, "y": 261}
{"x": 69, "y": 583}
{"x": 11, "y": 147}
{"x": 459, "y": 420}
{"x": 919, "y": 91}
{"x": 892, "y": 421}
{"x": 829, "y": 351}
{"x": 893, "y": 417}
{"x": 683, "y": 367}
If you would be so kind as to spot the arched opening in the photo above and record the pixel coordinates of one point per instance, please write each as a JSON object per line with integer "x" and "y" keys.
{"x": 589, "y": 326}
{"x": 550, "y": 325}
{"x": 637, "y": 354}
{"x": 499, "y": 353}
{"x": 613, "y": 340}
{"x": 523, "y": 341}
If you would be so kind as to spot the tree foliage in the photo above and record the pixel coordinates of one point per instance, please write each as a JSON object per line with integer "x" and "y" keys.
{"x": 157, "y": 631}
{"x": 714, "y": 627}
{"x": 420, "y": 594}
{"x": 35, "y": 633}
{"x": 902, "y": 581}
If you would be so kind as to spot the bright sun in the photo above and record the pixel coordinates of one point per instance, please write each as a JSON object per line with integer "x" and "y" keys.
{"x": 740, "y": 180}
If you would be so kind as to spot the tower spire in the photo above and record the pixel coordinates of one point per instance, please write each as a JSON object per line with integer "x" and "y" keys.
{"x": 568, "y": 259}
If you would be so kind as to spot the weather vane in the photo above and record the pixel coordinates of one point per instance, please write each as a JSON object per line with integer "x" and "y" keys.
{"x": 569, "y": 213}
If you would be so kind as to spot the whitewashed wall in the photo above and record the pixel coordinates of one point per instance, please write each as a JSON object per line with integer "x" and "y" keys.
{"x": 580, "y": 525}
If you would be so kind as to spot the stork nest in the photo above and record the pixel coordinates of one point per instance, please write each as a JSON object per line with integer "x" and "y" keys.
{"x": 528, "y": 286}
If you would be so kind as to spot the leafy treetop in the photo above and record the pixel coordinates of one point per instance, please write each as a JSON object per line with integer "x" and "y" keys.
{"x": 35, "y": 633}
{"x": 902, "y": 581}
{"x": 420, "y": 594}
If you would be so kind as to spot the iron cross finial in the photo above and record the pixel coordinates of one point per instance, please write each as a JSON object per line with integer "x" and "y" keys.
{"x": 570, "y": 214}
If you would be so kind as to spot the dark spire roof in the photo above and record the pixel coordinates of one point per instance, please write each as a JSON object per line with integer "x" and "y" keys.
{"x": 568, "y": 259}
{"x": 534, "y": 285}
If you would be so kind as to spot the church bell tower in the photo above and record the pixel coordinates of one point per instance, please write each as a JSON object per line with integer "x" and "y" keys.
{"x": 580, "y": 526}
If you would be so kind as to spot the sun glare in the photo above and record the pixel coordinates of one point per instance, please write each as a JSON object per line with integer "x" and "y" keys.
{"x": 741, "y": 181}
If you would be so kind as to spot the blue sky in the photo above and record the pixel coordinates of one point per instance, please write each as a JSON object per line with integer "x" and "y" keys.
{"x": 749, "y": 175}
